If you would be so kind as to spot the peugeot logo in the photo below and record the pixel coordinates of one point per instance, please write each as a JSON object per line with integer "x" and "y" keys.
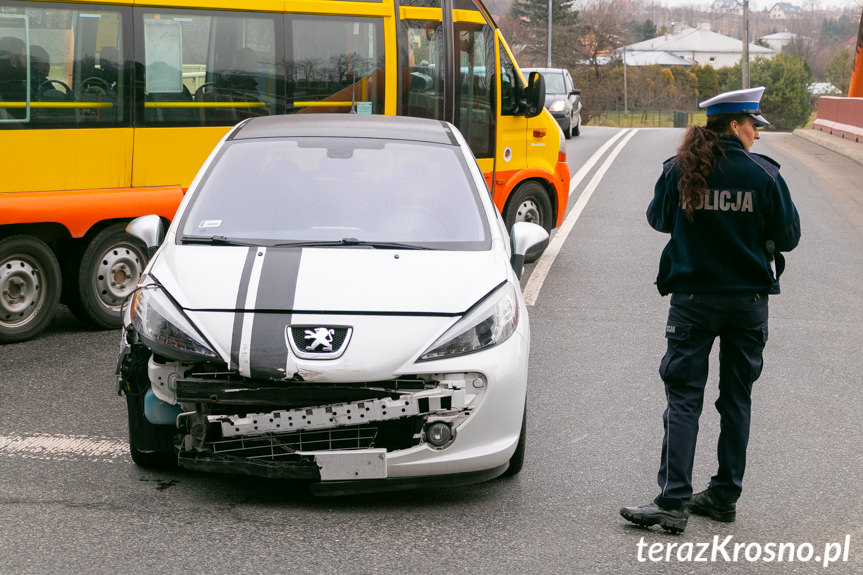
{"x": 320, "y": 336}
{"x": 318, "y": 341}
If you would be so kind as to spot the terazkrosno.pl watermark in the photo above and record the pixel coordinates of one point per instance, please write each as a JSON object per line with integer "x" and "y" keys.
{"x": 730, "y": 551}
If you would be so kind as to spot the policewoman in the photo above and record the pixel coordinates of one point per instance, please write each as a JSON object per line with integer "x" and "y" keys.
{"x": 730, "y": 216}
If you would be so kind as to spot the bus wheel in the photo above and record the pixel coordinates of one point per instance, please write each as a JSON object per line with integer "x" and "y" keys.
{"x": 30, "y": 284}
{"x": 108, "y": 273}
{"x": 529, "y": 203}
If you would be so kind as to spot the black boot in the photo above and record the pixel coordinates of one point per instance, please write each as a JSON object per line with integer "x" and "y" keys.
{"x": 708, "y": 504}
{"x": 672, "y": 520}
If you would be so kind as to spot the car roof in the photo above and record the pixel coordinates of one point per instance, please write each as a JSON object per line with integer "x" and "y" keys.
{"x": 346, "y": 126}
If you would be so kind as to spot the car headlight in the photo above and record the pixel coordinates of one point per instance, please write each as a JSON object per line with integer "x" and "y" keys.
{"x": 558, "y": 106}
{"x": 487, "y": 324}
{"x": 165, "y": 328}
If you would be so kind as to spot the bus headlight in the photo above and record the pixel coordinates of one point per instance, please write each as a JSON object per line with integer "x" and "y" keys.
{"x": 487, "y": 324}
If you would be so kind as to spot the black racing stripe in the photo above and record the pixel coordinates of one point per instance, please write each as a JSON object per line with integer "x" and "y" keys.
{"x": 268, "y": 356}
{"x": 242, "y": 292}
{"x": 277, "y": 289}
{"x": 450, "y": 135}
{"x": 278, "y": 285}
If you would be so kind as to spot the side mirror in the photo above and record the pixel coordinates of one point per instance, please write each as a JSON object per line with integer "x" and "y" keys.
{"x": 534, "y": 95}
{"x": 576, "y": 92}
{"x": 525, "y": 237}
{"x": 148, "y": 229}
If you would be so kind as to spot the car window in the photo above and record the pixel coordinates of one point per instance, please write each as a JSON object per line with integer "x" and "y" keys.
{"x": 554, "y": 83}
{"x": 327, "y": 190}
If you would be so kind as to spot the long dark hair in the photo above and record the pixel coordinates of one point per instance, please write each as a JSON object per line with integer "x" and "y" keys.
{"x": 696, "y": 157}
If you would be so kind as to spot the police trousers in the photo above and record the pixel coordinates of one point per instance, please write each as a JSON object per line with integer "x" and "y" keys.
{"x": 695, "y": 320}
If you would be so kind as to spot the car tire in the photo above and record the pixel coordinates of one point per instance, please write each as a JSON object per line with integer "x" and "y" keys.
{"x": 30, "y": 286}
{"x": 151, "y": 446}
{"x": 568, "y": 132}
{"x": 577, "y": 130}
{"x": 107, "y": 273}
{"x": 516, "y": 462}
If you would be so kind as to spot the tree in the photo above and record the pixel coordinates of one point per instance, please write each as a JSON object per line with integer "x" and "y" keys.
{"x": 786, "y": 101}
{"x": 526, "y": 30}
{"x": 838, "y": 71}
{"x": 641, "y": 31}
{"x": 602, "y": 30}
{"x": 708, "y": 81}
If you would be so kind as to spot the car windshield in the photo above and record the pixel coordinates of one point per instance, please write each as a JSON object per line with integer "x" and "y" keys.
{"x": 338, "y": 191}
{"x": 554, "y": 83}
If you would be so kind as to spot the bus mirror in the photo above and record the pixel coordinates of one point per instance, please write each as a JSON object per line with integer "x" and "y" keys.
{"x": 534, "y": 97}
{"x": 148, "y": 229}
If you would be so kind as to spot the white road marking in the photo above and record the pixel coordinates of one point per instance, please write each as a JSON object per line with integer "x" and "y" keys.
{"x": 588, "y": 165}
{"x": 543, "y": 264}
{"x": 64, "y": 448}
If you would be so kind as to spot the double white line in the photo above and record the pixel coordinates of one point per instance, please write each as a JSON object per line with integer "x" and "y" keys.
{"x": 543, "y": 264}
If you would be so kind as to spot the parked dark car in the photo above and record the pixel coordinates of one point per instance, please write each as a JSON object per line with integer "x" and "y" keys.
{"x": 562, "y": 98}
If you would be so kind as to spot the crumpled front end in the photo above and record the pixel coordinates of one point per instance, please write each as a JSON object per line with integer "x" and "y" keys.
{"x": 373, "y": 415}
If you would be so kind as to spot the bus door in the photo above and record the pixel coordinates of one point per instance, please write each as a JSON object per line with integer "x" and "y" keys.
{"x": 474, "y": 64}
{"x": 422, "y": 63}
{"x": 511, "y": 151}
{"x": 448, "y": 70}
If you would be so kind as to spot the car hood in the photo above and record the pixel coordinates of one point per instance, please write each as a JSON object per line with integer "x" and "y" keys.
{"x": 327, "y": 280}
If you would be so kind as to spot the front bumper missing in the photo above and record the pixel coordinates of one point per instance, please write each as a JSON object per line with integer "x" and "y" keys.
{"x": 338, "y": 415}
{"x": 336, "y": 442}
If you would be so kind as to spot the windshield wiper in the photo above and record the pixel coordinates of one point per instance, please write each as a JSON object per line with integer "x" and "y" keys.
{"x": 216, "y": 240}
{"x": 352, "y": 242}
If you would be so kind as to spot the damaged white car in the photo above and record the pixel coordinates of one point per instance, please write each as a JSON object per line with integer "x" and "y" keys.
{"x": 337, "y": 300}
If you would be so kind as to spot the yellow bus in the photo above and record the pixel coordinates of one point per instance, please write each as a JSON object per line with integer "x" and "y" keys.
{"x": 108, "y": 109}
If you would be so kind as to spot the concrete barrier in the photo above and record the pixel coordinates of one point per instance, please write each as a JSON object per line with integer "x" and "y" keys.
{"x": 840, "y": 117}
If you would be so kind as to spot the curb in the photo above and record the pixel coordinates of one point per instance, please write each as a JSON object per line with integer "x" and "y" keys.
{"x": 847, "y": 148}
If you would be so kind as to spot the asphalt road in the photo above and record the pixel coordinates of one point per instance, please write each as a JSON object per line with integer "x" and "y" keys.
{"x": 595, "y": 403}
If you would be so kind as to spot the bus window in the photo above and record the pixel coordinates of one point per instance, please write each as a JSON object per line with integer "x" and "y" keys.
{"x": 204, "y": 68}
{"x": 421, "y": 3}
{"x": 422, "y": 74}
{"x": 510, "y": 86}
{"x": 474, "y": 107}
{"x": 75, "y": 66}
{"x": 335, "y": 64}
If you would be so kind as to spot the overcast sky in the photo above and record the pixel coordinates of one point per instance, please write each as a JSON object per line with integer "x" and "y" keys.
{"x": 767, "y": 4}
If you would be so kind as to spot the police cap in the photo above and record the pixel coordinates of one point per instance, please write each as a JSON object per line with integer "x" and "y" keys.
{"x": 737, "y": 102}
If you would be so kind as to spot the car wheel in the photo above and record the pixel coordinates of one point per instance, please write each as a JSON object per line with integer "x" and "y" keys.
{"x": 107, "y": 273}
{"x": 30, "y": 285}
{"x": 150, "y": 445}
{"x": 516, "y": 462}
{"x": 568, "y": 132}
{"x": 577, "y": 130}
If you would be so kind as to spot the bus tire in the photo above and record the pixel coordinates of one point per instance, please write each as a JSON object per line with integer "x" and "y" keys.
{"x": 107, "y": 273}
{"x": 530, "y": 203}
{"x": 30, "y": 286}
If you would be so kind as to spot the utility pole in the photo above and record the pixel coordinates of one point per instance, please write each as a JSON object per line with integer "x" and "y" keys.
{"x": 744, "y": 65}
{"x": 548, "y": 57}
{"x": 625, "y": 91}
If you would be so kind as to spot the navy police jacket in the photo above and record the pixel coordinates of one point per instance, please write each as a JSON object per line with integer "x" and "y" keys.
{"x": 746, "y": 219}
